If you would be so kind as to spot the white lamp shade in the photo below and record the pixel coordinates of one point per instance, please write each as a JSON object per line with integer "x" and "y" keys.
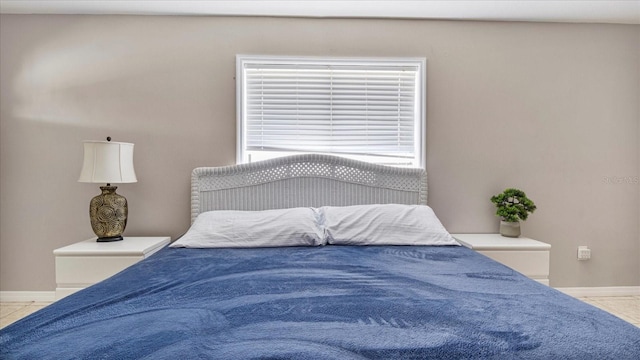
{"x": 108, "y": 162}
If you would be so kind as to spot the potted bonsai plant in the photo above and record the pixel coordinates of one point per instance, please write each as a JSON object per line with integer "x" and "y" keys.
{"x": 513, "y": 205}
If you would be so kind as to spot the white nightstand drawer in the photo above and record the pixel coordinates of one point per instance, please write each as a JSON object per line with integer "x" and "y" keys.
{"x": 534, "y": 264}
{"x": 72, "y": 271}
{"x": 527, "y": 256}
{"x": 87, "y": 262}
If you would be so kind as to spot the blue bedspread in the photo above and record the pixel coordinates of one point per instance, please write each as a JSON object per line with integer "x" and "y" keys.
{"x": 332, "y": 302}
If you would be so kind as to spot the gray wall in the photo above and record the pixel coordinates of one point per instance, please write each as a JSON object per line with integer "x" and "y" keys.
{"x": 549, "y": 108}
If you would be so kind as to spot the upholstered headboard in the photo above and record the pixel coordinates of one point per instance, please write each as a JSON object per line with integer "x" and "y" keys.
{"x": 304, "y": 181}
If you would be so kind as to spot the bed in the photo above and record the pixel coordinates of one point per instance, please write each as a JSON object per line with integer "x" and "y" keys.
{"x": 348, "y": 297}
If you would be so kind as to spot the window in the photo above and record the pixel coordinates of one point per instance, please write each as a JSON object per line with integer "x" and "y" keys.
{"x": 364, "y": 109}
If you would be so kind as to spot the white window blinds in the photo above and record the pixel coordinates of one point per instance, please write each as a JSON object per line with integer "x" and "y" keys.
{"x": 364, "y": 109}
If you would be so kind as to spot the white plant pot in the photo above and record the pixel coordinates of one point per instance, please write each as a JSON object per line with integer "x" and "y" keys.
{"x": 510, "y": 229}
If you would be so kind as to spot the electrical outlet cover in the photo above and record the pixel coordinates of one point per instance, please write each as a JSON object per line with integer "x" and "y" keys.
{"x": 584, "y": 253}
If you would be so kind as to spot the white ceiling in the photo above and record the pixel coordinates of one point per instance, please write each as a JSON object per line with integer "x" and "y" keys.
{"x": 587, "y": 11}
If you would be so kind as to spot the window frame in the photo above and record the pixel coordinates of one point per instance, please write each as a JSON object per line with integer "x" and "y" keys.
{"x": 420, "y": 133}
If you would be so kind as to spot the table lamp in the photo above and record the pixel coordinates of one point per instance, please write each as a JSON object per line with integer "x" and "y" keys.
{"x": 108, "y": 162}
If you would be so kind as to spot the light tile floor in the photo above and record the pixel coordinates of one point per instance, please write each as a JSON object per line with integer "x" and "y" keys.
{"x": 625, "y": 307}
{"x": 14, "y": 311}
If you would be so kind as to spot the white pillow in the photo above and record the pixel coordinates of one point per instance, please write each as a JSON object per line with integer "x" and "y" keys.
{"x": 390, "y": 224}
{"x": 240, "y": 229}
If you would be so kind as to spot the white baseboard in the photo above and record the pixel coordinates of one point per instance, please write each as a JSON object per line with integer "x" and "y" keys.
{"x": 601, "y": 291}
{"x": 27, "y": 296}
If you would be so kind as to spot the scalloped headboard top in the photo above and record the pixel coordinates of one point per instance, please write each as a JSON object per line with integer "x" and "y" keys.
{"x": 310, "y": 180}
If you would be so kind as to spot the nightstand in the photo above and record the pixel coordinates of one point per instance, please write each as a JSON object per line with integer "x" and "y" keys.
{"x": 527, "y": 256}
{"x": 87, "y": 262}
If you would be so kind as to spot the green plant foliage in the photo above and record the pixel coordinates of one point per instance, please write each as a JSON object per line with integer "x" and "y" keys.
{"x": 513, "y": 205}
